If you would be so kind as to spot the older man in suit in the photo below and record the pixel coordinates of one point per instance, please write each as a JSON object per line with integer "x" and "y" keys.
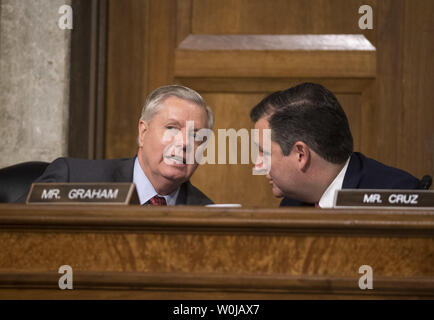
{"x": 160, "y": 170}
{"x": 311, "y": 154}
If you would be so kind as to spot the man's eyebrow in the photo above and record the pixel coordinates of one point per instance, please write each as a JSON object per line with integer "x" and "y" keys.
{"x": 172, "y": 121}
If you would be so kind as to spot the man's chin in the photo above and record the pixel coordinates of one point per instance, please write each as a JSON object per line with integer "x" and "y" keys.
{"x": 176, "y": 174}
{"x": 277, "y": 192}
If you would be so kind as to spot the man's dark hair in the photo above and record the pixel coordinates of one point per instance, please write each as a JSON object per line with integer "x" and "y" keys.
{"x": 310, "y": 113}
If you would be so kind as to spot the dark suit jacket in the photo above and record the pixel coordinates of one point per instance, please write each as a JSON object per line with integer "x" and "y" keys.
{"x": 366, "y": 173}
{"x": 112, "y": 170}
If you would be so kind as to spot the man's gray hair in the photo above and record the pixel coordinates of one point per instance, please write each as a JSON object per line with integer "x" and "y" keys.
{"x": 156, "y": 98}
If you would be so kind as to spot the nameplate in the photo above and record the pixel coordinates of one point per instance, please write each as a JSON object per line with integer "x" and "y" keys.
{"x": 83, "y": 193}
{"x": 351, "y": 198}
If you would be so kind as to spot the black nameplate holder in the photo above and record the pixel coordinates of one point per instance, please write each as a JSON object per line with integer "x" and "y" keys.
{"x": 357, "y": 198}
{"x": 115, "y": 193}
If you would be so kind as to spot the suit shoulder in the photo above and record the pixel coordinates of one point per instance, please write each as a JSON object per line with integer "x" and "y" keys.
{"x": 68, "y": 169}
{"x": 383, "y": 176}
{"x": 56, "y": 171}
{"x": 196, "y": 197}
{"x": 87, "y": 162}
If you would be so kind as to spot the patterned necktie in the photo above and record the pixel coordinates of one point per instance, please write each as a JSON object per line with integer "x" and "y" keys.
{"x": 157, "y": 201}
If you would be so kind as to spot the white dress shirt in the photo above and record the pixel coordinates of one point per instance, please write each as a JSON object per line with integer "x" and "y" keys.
{"x": 145, "y": 189}
{"x": 327, "y": 199}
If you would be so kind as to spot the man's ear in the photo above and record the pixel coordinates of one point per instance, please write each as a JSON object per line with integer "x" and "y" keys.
{"x": 303, "y": 155}
{"x": 143, "y": 129}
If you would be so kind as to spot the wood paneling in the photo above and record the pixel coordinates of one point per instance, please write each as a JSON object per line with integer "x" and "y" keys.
{"x": 306, "y": 42}
{"x": 221, "y": 253}
{"x": 127, "y": 74}
{"x": 162, "y": 28}
{"x": 352, "y": 105}
{"x": 280, "y": 17}
{"x": 183, "y": 19}
{"x": 283, "y": 252}
{"x": 87, "y": 80}
{"x": 385, "y": 125}
{"x": 401, "y": 123}
{"x": 275, "y": 56}
{"x": 415, "y": 149}
{"x": 133, "y": 285}
{"x": 257, "y": 85}
{"x": 267, "y": 64}
{"x": 140, "y": 58}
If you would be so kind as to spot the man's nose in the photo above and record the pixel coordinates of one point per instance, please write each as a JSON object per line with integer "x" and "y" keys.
{"x": 181, "y": 140}
{"x": 263, "y": 163}
{"x": 259, "y": 161}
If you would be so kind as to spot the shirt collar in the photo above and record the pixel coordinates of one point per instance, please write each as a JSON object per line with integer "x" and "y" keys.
{"x": 146, "y": 190}
{"x": 328, "y": 197}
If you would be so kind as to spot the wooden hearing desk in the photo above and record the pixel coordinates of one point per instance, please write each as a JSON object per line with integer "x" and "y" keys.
{"x": 212, "y": 253}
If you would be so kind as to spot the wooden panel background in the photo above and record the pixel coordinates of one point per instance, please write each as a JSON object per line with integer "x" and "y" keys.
{"x": 390, "y": 116}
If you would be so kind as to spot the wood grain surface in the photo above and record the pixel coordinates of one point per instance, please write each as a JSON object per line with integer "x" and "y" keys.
{"x": 262, "y": 252}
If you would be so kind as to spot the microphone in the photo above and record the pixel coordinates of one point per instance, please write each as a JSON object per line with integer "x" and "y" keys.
{"x": 426, "y": 182}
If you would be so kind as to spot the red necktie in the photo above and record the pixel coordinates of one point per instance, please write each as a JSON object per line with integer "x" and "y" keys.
{"x": 317, "y": 205}
{"x": 157, "y": 201}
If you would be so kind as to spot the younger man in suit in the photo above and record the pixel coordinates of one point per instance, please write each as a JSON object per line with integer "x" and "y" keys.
{"x": 312, "y": 149}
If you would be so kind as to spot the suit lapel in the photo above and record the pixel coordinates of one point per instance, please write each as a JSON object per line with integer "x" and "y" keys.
{"x": 182, "y": 195}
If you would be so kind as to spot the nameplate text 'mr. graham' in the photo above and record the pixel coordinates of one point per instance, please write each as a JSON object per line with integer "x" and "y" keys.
{"x": 83, "y": 193}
